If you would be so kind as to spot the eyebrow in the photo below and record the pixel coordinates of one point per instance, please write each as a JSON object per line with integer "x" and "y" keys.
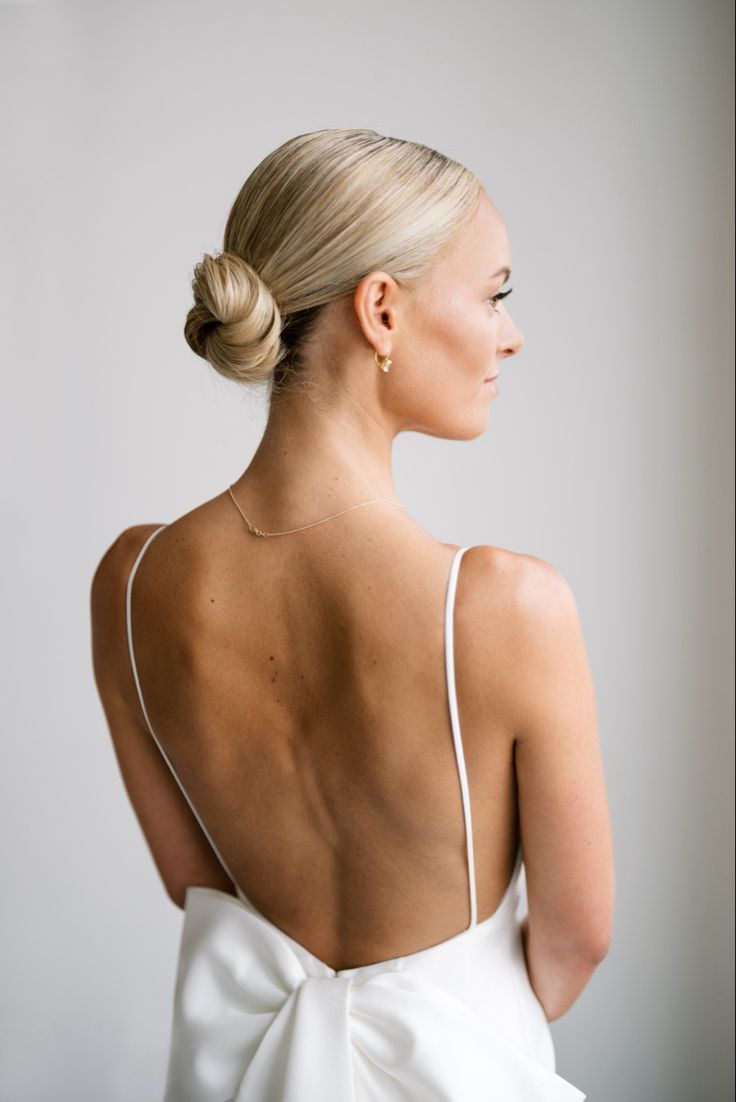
{"x": 501, "y": 271}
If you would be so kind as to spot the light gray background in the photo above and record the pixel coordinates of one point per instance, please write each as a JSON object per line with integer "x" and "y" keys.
{"x": 603, "y": 132}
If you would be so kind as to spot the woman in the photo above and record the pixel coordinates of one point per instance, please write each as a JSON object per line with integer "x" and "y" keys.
{"x": 353, "y": 749}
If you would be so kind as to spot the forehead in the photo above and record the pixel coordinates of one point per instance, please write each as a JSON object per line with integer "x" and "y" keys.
{"x": 481, "y": 247}
{"x": 485, "y": 235}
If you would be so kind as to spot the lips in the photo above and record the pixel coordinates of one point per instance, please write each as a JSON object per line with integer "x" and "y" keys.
{"x": 490, "y": 378}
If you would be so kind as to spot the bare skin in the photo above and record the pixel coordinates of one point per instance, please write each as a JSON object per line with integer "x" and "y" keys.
{"x": 297, "y": 682}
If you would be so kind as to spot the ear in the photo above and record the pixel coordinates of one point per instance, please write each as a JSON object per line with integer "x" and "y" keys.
{"x": 375, "y": 301}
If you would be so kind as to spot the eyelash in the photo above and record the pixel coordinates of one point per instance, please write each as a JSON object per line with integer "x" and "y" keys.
{"x": 500, "y": 295}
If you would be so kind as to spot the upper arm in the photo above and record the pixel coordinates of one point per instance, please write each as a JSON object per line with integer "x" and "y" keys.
{"x": 563, "y": 805}
{"x": 179, "y": 848}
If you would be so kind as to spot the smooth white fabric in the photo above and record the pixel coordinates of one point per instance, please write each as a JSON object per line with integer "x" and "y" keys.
{"x": 258, "y": 1018}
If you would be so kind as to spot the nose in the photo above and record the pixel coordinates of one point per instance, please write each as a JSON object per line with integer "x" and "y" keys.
{"x": 511, "y": 338}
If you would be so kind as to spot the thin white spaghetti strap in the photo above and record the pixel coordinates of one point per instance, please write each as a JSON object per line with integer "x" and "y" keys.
{"x": 129, "y": 628}
{"x": 455, "y": 721}
{"x": 164, "y": 755}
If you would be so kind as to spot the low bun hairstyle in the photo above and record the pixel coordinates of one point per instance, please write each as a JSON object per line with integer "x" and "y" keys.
{"x": 313, "y": 218}
{"x": 235, "y": 323}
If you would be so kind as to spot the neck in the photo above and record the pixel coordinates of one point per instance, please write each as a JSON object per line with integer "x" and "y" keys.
{"x": 313, "y": 461}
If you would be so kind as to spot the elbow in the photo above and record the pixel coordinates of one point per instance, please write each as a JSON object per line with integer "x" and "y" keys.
{"x": 594, "y": 935}
{"x": 577, "y": 949}
{"x": 601, "y": 942}
{"x": 177, "y": 893}
{"x": 589, "y": 948}
{"x": 596, "y": 948}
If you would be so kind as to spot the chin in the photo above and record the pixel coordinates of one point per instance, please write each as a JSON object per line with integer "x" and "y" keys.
{"x": 477, "y": 431}
{"x": 467, "y": 430}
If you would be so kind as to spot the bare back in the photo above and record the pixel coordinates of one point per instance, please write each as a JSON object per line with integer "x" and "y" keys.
{"x": 297, "y": 685}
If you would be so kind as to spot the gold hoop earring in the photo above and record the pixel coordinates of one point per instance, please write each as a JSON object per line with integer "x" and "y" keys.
{"x": 383, "y": 361}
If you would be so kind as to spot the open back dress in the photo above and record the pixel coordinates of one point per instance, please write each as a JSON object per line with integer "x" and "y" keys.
{"x": 257, "y": 1017}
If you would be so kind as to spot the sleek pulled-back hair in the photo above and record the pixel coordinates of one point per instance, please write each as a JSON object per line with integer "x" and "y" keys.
{"x": 313, "y": 218}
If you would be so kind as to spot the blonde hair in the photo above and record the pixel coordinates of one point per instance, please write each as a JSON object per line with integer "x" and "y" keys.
{"x": 313, "y": 218}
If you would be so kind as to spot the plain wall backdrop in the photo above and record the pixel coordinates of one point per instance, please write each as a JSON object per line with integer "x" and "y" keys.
{"x": 604, "y": 134}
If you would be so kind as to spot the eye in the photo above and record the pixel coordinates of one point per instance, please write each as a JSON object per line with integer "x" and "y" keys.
{"x": 497, "y": 297}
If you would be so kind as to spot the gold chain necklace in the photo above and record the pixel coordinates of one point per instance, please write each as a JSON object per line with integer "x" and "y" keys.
{"x": 259, "y": 531}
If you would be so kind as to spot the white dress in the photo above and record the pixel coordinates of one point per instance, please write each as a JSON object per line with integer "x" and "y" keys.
{"x": 259, "y": 1018}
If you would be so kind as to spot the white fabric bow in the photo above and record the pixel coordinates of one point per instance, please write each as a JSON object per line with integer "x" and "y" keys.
{"x": 258, "y": 1018}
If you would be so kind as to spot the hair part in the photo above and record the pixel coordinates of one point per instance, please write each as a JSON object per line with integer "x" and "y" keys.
{"x": 318, "y": 214}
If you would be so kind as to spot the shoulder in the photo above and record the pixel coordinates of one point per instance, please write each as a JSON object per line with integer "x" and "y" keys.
{"x": 112, "y": 571}
{"x": 107, "y": 602}
{"x": 531, "y": 584}
{"x": 523, "y": 596}
{"x": 519, "y": 620}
